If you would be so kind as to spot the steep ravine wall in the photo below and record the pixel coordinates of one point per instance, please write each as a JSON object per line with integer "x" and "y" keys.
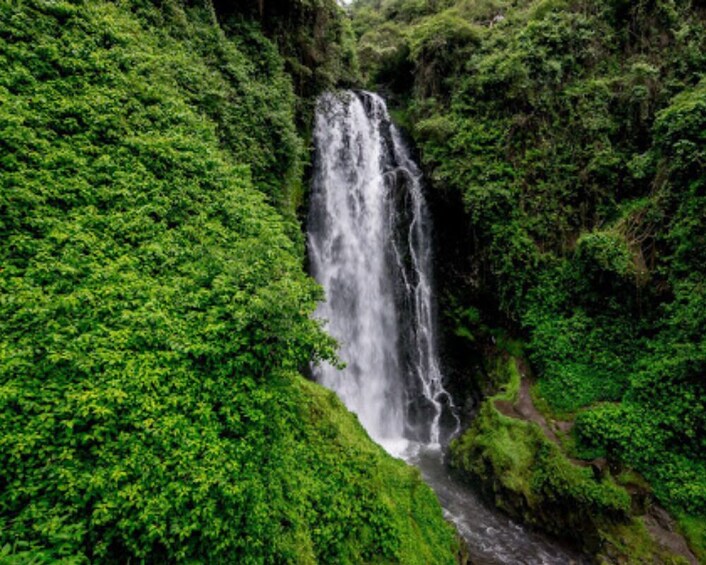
{"x": 569, "y": 133}
{"x": 509, "y": 451}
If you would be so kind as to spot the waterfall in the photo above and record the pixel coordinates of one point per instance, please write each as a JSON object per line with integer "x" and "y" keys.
{"x": 370, "y": 248}
{"x": 369, "y": 239}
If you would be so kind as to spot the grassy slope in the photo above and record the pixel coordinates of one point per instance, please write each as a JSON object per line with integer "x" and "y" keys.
{"x": 573, "y": 132}
{"x": 154, "y": 313}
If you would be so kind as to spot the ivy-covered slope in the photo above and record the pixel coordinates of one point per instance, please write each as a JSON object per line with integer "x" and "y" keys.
{"x": 154, "y": 315}
{"x": 573, "y": 131}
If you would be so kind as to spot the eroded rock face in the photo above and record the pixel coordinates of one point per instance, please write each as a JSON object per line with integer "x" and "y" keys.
{"x": 662, "y": 528}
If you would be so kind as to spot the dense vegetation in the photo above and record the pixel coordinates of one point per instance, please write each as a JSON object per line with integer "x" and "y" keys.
{"x": 527, "y": 475}
{"x": 573, "y": 131}
{"x": 154, "y": 315}
{"x": 548, "y": 471}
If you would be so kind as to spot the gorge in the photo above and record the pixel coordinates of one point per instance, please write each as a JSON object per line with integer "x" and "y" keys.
{"x": 379, "y": 281}
{"x": 369, "y": 235}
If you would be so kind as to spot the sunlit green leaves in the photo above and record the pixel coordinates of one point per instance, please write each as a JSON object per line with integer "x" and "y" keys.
{"x": 154, "y": 313}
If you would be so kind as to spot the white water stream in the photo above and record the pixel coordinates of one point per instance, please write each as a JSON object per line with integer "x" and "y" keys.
{"x": 370, "y": 248}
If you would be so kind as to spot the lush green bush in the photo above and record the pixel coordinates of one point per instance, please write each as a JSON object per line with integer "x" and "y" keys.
{"x": 315, "y": 38}
{"x": 154, "y": 315}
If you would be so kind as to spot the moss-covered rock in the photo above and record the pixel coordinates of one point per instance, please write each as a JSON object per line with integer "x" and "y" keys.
{"x": 529, "y": 476}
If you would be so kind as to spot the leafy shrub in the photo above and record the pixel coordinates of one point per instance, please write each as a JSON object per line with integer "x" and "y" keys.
{"x": 154, "y": 314}
{"x": 605, "y": 251}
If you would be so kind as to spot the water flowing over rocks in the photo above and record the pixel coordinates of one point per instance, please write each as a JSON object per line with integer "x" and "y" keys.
{"x": 370, "y": 248}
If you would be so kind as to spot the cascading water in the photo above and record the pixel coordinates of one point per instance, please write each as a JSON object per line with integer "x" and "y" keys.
{"x": 370, "y": 248}
{"x": 417, "y": 289}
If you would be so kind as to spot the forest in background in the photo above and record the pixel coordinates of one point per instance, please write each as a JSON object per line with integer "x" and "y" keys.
{"x": 574, "y": 134}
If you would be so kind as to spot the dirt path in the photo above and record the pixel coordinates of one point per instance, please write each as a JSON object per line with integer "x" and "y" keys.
{"x": 524, "y": 408}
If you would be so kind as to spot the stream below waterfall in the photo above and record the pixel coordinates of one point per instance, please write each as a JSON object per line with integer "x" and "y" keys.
{"x": 369, "y": 241}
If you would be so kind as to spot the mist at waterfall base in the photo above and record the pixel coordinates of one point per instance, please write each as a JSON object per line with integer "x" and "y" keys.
{"x": 369, "y": 239}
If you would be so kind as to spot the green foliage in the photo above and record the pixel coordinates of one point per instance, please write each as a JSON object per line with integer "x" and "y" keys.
{"x": 605, "y": 252}
{"x": 678, "y": 477}
{"x": 314, "y": 36}
{"x": 387, "y": 502}
{"x": 154, "y": 315}
{"x": 382, "y": 51}
{"x": 581, "y": 362}
{"x": 434, "y": 45}
{"x": 695, "y": 530}
{"x": 529, "y": 476}
{"x": 391, "y": 35}
{"x": 574, "y": 132}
